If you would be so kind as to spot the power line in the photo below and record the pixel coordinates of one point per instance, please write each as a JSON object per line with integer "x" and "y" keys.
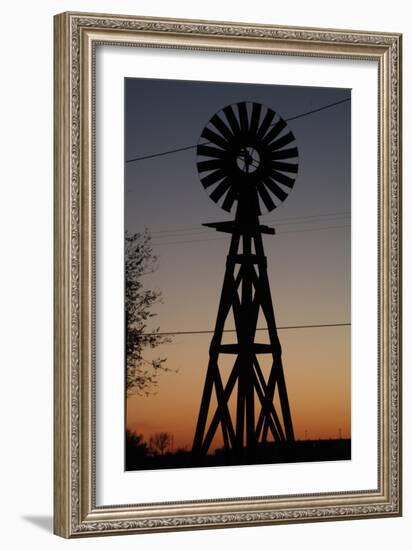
{"x": 224, "y": 238}
{"x": 319, "y": 109}
{"x": 286, "y": 327}
{"x": 161, "y": 154}
{"x": 207, "y": 231}
{"x": 193, "y": 146}
{"x": 278, "y": 221}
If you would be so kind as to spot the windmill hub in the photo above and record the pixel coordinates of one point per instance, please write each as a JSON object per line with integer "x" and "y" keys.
{"x": 248, "y": 160}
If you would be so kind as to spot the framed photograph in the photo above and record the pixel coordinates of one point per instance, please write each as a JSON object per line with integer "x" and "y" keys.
{"x": 227, "y": 274}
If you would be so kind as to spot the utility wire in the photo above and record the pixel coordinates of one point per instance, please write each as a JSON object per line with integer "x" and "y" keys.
{"x": 193, "y": 146}
{"x": 223, "y": 238}
{"x": 161, "y": 154}
{"x": 207, "y": 231}
{"x": 319, "y": 109}
{"x": 278, "y": 221}
{"x": 288, "y": 327}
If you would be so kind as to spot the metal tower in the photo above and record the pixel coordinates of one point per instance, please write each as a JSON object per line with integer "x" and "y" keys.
{"x": 245, "y": 146}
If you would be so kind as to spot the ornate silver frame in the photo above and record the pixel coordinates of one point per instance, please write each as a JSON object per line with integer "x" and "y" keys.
{"x": 75, "y": 510}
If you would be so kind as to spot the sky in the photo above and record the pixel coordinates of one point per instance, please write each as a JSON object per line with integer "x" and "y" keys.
{"x": 308, "y": 258}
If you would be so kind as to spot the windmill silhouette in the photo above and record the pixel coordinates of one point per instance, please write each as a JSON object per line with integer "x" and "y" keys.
{"x": 246, "y": 157}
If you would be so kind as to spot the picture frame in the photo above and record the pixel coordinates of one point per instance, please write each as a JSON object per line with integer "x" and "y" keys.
{"x": 77, "y": 511}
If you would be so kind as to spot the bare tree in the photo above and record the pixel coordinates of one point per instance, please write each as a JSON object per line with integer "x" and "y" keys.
{"x": 141, "y": 374}
{"x": 160, "y": 442}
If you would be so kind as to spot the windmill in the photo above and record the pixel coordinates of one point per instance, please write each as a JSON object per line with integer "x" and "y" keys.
{"x": 247, "y": 159}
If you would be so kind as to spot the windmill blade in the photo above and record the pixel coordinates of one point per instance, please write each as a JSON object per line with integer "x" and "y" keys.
{"x": 274, "y": 131}
{"x": 220, "y": 189}
{"x": 281, "y": 142}
{"x": 284, "y": 166}
{"x": 215, "y": 138}
{"x": 275, "y": 189}
{"x": 244, "y": 123}
{"x": 254, "y": 121}
{"x": 285, "y": 154}
{"x": 230, "y": 198}
{"x": 230, "y": 115}
{"x": 221, "y": 126}
{"x": 267, "y": 121}
{"x": 266, "y": 198}
{"x": 212, "y": 178}
{"x": 206, "y": 165}
{"x": 205, "y": 151}
{"x": 281, "y": 178}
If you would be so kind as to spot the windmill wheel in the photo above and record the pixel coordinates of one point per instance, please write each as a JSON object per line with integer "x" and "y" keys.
{"x": 247, "y": 154}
